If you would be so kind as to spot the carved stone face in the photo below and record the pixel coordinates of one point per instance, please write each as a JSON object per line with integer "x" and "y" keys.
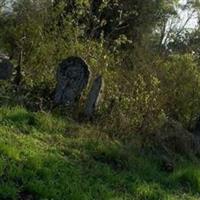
{"x": 72, "y": 78}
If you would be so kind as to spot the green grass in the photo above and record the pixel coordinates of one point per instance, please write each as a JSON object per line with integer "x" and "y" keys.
{"x": 45, "y": 157}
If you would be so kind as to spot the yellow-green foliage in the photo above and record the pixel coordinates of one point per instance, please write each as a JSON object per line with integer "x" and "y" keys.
{"x": 136, "y": 104}
{"x": 180, "y": 81}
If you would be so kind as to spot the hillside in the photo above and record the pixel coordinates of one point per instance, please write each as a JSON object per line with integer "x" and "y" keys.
{"x": 99, "y": 100}
{"x": 47, "y": 157}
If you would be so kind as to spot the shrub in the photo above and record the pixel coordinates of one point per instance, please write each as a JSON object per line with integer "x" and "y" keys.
{"x": 180, "y": 84}
{"x": 137, "y": 104}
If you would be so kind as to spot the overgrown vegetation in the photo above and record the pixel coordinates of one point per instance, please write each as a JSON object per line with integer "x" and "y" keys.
{"x": 148, "y": 117}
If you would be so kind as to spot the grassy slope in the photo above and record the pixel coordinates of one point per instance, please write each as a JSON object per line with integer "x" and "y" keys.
{"x": 41, "y": 158}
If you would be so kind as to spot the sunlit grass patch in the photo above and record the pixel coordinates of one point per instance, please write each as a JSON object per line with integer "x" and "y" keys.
{"x": 188, "y": 178}
{"x": 148, "y": 191}
{"x": 49, "y": 162}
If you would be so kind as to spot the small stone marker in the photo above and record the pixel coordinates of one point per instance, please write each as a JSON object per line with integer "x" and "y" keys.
{"x": 196, "y": 130}
{"x": 5, "y": 68}
{"x": 93, "y": 97}
{"x": 72, "y": 78}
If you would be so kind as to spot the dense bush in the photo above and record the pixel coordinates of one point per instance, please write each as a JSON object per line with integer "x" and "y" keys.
{"x": 180, "y": 84}
{"x": 135, "y": 106}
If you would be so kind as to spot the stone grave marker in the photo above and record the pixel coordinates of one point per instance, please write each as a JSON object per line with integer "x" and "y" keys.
{"x": 6, "y": 68}
{"x": 94, "y": 97}
{"x": 72, "y": 77}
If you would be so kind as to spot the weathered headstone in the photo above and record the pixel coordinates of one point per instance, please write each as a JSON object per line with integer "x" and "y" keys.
{"x": 72, "y": 78}
{"x": 93, "y": 97}
{"x": 5, "y": 68}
